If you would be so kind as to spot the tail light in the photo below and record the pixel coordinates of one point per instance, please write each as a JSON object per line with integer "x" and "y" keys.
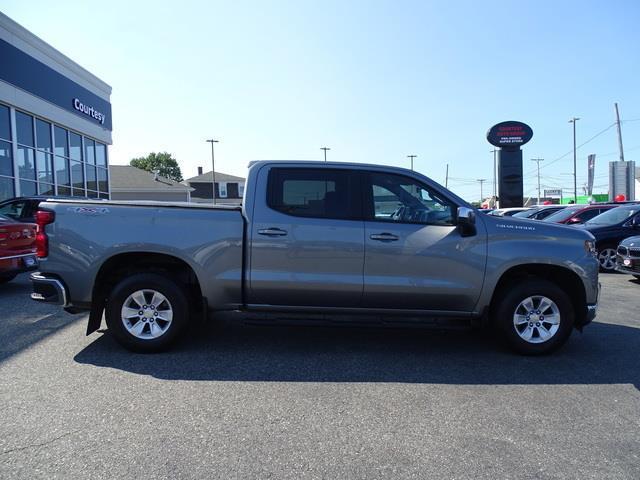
{"x": 43, "y": 218}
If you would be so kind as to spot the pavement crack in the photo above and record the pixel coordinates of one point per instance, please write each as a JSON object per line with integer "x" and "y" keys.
{"x": 36, "y": 445}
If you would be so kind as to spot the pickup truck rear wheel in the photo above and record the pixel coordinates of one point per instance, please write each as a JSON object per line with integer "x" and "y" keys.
{"x": 535, "y": 317}
{"x": 147, "y": 312}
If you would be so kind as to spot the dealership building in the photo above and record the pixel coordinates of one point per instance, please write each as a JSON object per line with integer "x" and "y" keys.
{"x": 55, "y": 120}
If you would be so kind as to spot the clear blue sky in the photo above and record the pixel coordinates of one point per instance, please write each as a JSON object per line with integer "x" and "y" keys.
{"x": 373, "y": 80}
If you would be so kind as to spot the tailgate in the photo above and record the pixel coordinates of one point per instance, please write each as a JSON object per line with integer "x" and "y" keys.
{"x": 17, "y": 239}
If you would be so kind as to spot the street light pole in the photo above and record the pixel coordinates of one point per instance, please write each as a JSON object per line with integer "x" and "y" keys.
{"x": 213, "y": 169}
{"x": 325, "y": 152}
{"x": 575, "y": 180}
{"x": 481, "y": 180}
{"x": 538, "y": 160}
{"x": 412, "y": 157}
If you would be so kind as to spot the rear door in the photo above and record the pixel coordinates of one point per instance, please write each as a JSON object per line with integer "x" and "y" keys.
{"x": 306, "y": 238}
{"x": 415, "y": 257}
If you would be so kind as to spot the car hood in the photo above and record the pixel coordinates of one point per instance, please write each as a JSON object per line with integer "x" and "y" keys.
{"x": 534, "y": 228}
{"x": 631, "y": 242}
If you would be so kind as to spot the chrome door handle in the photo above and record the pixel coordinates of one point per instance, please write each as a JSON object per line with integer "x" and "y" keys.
{"x": 384, "y": 237}
{"x": 272, "y": 232}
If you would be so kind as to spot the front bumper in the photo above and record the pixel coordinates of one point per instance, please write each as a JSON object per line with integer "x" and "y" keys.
{"x": 48, "y": 290}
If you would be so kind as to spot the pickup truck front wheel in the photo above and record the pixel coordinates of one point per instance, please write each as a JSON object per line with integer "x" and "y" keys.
{"x": 147, "y": 312}
{"x": 535, "y": 317}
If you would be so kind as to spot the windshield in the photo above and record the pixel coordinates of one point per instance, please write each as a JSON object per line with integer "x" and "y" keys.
{"x": 563, "y": 214}
{"x": 526, "y": 213}
{"x": 614, "y": 216}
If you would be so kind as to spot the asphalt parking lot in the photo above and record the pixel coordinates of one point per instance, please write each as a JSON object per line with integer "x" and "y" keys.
{"x": 242, "y": 401}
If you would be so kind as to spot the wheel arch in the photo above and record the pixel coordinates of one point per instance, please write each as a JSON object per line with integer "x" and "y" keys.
{"x": 563, "y": 277}
{"x": 128, "y": 263}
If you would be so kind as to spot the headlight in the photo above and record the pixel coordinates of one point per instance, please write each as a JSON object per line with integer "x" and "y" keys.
{"x": 590, "y": 247}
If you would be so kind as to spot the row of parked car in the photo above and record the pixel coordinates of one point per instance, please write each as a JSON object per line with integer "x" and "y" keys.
{"x": 616, "y": 227}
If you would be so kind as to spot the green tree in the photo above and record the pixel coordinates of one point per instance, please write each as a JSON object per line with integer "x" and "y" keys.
{"x": 166, "y": 165}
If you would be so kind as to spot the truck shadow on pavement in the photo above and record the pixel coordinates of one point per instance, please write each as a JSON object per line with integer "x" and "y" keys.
{"x": 604, "y": 354}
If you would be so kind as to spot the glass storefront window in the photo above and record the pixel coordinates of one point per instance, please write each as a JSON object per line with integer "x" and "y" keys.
{"x": 91, "y": 178}
{"x": 43, "y": 135}
{"x": 77, "y": 176}
{"x": 75, "y": 142}
{"x": 102, "y": 180}
{"x": 26, "y": 163}
{"x": 24, "y": 128}
{"x": 91, "y": 194}
{"x": 89, "y": 153}
{"x": 6, "y": 159}
{"x": 27, "y": 188}
{"x": 61, "y": 142}
{"x": 5, "y": 124}
{"x": 44, "y": 165}
{"x": 63, "y": 175}
{"x": 6, "y": 188}
{"x": 101, "y": 154}
{"x": 46, "y": 189}
{"x": 64, "y": 191}
{"x": 78, "y": 192}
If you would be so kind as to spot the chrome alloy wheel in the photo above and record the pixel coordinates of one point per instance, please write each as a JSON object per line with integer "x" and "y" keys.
{"x": 536, "y": 319}
{"x": 607, "y": 258}
{"x": 146, "y": 314}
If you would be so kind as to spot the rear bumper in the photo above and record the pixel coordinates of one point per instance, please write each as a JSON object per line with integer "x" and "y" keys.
{"x": 13, "y": 264}
{"x": 48, "y": 290}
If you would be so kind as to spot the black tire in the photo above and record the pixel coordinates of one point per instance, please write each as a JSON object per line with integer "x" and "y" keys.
{"x": 177, "y": 301}
{"x": 7, "y": 277}
{"x": 505, "y": 308}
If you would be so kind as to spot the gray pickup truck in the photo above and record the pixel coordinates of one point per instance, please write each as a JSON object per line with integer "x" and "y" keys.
{"x": 330, "y": 239}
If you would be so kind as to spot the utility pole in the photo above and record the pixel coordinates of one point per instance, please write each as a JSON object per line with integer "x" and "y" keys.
{"x": 619, "y": 133}
{"x": 446, "y": 178}
{"x": 575, "y": 179}
{"x": 538, "y": 160}
{"x": 325, "y": 152}
{"x": 495, "y": 174}
{"x": 412, "y": 157}
{"x": 481, "y": 180}
{"x": 213, "y": 169}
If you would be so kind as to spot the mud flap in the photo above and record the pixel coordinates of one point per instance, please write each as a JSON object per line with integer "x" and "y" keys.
{"x": 95, "y": 316}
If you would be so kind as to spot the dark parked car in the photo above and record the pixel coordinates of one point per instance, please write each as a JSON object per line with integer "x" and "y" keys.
{"x": 17, "y": 248}
{"x": 610, "y": 228}
{"x": 540, "y": 212}
{"x": 577, "y": 214}
{"x": 628, "y": 257}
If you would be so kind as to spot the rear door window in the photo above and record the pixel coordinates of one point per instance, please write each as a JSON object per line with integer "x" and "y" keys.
{"x": 316, "y": 193}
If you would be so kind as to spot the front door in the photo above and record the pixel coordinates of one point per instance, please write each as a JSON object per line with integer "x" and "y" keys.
{"x": 307, "y": 245}
{"x": 415, "y": 257}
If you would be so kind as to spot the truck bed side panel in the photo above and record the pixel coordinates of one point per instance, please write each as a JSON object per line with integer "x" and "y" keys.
{"x": 84, "y": 236}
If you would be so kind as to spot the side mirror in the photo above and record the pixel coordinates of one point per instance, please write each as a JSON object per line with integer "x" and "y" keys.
{"x": 573, "y": 221}
{"x": 635, "y": 222}
{"x": 466, "y": 221}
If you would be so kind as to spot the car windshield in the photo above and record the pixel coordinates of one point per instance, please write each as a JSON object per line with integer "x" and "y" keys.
{"x": 563, "y": 214}
{"x": 614, "y": 216}
{"x": 526, "y": 213}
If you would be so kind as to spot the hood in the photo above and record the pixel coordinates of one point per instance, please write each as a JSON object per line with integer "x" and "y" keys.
{"x": 631, "y": 242}
{"x": 536, "y": 228}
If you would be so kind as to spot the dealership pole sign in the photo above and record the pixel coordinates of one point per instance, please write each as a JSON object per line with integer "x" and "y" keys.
{"x": 509, "y": 137}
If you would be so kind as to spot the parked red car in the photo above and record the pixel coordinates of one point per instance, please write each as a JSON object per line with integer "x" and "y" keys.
{"x": 577, "y": 214}
{"x": 17, "y": 248}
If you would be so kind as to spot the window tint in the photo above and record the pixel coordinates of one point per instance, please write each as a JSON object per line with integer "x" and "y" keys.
{"x": 43, "y": 135}
{"x": 61, "y": 146}
{"x": 395, "y": 198}
{"x": 76, "y": 146}
{"x": 589, "y": 214}
{"x": 318, "y": 193}
{"x": 6, "y": 162}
